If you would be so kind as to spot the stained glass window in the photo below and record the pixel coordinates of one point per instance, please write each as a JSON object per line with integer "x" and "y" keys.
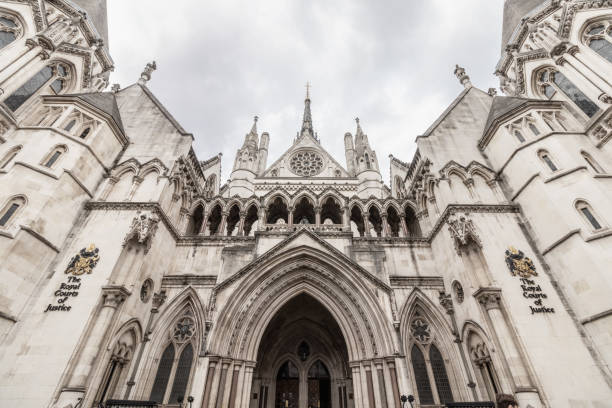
{"x": 181, "y": 377}
{"x": 70, "y": 125}
{"x": 534, "y": 129}
{"x": 597, "y": 37}
{"x": 550, "y": 80}
{"x": 589, "y": 216}
{"x": 85, "y": 133}
{"x": 10, "y": 29}
{"x": 56, "y": 154}
{"x": 439, "y": 371}
{"x": 519, "y": 136}
{"x": 163, "y": 374}
{"x": 420, "y": 376}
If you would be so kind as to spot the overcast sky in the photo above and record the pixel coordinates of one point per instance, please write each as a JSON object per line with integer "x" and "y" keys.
{"x": 390, "y": 63}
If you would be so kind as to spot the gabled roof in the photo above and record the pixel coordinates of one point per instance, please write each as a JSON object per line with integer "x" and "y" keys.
{"x": 502, "y": 105}
{"x": 315, "y": 241}
{"x": 104, "y": 101}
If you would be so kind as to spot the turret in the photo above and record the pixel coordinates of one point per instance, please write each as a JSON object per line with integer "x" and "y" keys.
{"x": 349, "y": 151}
{"x": 263, "y": 152}
{"x": 365, "y": 165}
{"x": 248, "y": 162}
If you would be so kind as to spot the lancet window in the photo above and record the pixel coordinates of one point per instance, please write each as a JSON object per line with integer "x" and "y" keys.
{"x": 173, "y": 374}
{"x": 10, "y": 210}
{"x": 545, "y": 157}
{"x": 9, "y": 156}
{"x": 53, "y": 157}
{"x": 592, "y": 163}
{"x": 10, "y": 29}
{"x": 588, "y": 215}
{"x": 483, "y": 366}
{"x": 598, "y": 37}
{"x": 430, "y": 376}
{"x": 550, "y": 81}
{"x": 54, "y": 76}
{"x": 116, "y": 370}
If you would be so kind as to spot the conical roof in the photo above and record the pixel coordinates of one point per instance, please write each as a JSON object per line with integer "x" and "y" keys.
{"x": 514, "y": 11}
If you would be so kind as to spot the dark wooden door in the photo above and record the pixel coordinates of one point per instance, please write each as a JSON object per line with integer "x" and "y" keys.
{"x": 287, "y": 393}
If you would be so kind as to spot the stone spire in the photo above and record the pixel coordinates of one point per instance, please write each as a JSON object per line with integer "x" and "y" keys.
{"x": 463, "y": 78}
{"x": 360, "y": 137}
{"x": 145, "y": 76}
{"x": 252, "y": 138}
{"x": 307, "y": 119}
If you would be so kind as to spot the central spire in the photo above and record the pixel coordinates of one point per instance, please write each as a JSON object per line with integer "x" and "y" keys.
{"x": 307, "y": 119}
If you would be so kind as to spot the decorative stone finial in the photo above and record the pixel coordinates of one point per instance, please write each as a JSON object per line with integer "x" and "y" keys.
{"x": 115, "y": 88}
{"x": 307, "y": 90}
{"x": 492, "y": 91}
{"x": 145, "y": 76}
{"x": 463, "y": 78}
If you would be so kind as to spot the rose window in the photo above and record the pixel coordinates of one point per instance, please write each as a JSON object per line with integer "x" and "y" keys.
{"x": 184, "y": 329}
{"x": 306, "y": 163}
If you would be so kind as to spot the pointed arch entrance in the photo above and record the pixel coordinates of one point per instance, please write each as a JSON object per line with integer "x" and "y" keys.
{"x": 301, "y": 354}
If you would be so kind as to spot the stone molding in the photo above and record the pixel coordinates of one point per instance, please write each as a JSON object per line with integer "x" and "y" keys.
{"x": 143, "y": 229}
{"x": 113, "y": 296}
{"x": 490, "y": 298}
{"x": 436, "y": 282}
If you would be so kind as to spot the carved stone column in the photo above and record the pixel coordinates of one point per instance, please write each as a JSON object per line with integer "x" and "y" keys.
{"x": 366, "y": 225}
{"x": 506, "y": 340}
{"x": 112, "y": 180}
{"x": 403, "y": 226}
{"x": 241, "y": 224}
{"x": 210, "y": 375}
{"x": 360, "y": 394}
{"x": 221, "y": 229}
{"x": 317, "y": 216}
{"x": 290, "y": 216}
{"x": 346, "y": 218}
{"x": 394, "y": 382}
{"x": 135, "y": 184}
{"x": 385, "y": 226}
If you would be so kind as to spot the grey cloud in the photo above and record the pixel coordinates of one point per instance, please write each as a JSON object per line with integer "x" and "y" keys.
{"x": 390, "y": 63}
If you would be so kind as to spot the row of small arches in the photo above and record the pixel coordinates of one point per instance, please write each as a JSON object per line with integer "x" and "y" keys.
{"x": 363, "y": 223}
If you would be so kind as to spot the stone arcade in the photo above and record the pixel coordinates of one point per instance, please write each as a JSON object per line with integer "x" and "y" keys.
{"x": 128, "y": 272}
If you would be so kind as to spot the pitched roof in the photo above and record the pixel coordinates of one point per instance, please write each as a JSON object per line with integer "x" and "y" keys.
{"x": 105, "y": 101}
{"x": 502, "y": 105}
{"x": 514, "y": 11}
{"x": 96, "y": 13}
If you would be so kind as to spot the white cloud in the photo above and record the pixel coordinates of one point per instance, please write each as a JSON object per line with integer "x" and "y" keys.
{"x": 390, "y": 63}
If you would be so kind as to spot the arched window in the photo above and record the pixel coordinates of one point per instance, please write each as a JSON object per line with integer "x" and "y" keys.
{"x": 54, "y": 156}
{"x": 545, "y": 157}
{"x": 55, "y": 76}
{"x": 597, "y": 36}
{"x": 549, "y": 81}
{"x": 163, "y": 374}
{"x": 10, "y": 210}
{"x": 439, "y": 371}
{"x": 483, "y": 366}
{"x": 534, "y": 129}
{"x": 592, "y": 163}
{"x": 10, "y": 29}
{"x": 519, "y": 135}
{"x": 8, "y": 157}
{"x": 85, "y": 132}
{"x": 367, "y": 160}
{"x": 588, "y": 215}
{"x": 171, "y": 369}
{"x": 420, "y": 376}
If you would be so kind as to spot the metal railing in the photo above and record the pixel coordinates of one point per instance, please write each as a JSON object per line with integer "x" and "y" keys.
{"x": 479, "y": 404}
{"x": 129, "y": 404}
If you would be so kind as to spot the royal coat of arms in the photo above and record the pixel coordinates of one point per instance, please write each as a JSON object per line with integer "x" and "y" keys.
{"x": 84, "y": 261}
{"x": 519, "y": 264}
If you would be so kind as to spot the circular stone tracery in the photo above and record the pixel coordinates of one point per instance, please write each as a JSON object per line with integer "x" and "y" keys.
{"x": 306, "y": 163}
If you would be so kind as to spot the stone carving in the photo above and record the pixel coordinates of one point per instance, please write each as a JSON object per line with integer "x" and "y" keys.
{"x": 420, "y": 330}
{"x": 519, "y": 264}
{"x": 446, "y": 302}
{"x": 143, "y": 229}
{"x": 145, "y": 76}
{"x": 458, "y": 290}
{"x": 463, "y": 232}
{"x": 463, "y": 78}
{"x": 84, "y": 261}
{"x": 306, "y": 163}
{"x": 490, "y": 299}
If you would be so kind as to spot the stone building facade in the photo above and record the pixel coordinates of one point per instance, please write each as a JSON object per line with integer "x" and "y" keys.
{"x": 129, "y": 272}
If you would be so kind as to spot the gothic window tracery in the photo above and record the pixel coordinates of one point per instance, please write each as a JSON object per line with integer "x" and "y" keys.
{"x": 10, "y": 29}
{"x": 598, "y": 37}
{"x": 428, "y": 372}
{"x": 306, "y": 163}
{"x": 550, "y": 81}
{"x": 173, "y": 374}
{"x": 483, "y": 364}
{"x": 55, "y": 76}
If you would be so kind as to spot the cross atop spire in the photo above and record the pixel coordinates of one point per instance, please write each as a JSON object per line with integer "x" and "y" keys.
{"x": 307, "y": 119}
